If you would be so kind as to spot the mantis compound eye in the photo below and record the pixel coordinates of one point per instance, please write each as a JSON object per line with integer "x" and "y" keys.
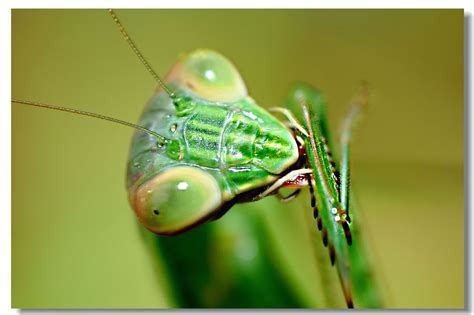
{"x": 177, "y": 199}
{"x": 209, "y": 75}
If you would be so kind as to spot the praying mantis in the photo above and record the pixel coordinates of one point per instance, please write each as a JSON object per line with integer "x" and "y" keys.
{"x": 203, "y": 145}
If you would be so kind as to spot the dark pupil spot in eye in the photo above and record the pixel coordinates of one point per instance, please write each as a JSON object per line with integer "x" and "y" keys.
{"x": 156, "y": 212}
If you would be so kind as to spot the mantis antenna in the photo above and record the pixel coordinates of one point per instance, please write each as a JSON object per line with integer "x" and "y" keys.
{"x": 161, "y": 139}
{"x": 139, "y": 54}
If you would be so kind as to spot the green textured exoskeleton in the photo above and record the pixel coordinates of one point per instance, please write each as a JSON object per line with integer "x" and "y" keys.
{"x": 220, "y": 147}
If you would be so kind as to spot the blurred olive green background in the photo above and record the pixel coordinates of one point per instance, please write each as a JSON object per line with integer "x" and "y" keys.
{"x": 75, "y": 241}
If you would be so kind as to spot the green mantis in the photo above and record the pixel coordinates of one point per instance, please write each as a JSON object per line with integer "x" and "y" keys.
{"x": 208, "y": 145}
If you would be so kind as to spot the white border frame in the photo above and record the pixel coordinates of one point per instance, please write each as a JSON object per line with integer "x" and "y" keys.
{"x": 5, "y": 124}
